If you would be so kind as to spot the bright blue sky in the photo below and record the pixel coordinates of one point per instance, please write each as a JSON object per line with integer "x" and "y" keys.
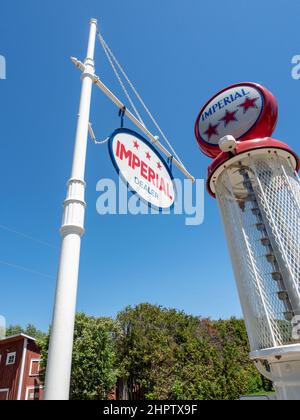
{"x": 178, "y": 53}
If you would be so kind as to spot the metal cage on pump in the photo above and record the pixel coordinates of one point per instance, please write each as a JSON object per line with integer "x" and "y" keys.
{"x": 255, "y": 181}
{"x": 255, "y": 193}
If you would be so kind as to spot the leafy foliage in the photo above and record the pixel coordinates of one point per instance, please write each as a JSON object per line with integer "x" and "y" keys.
{"x": 30, "y": 330}
{"x": 94, "y": 373}
{"x": 157, "y": 353}
{"x": 171, "y": 355}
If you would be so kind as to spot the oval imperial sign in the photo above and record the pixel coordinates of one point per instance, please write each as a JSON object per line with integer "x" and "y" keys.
{"x": 245, "y": 111}
{"x": 142, "y": 168}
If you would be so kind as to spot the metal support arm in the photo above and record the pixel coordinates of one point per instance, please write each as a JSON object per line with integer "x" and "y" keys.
{"x": 135, "y": 121}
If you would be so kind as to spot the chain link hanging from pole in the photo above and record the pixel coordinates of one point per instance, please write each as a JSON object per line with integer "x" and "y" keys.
{"x": 112, "y": 59}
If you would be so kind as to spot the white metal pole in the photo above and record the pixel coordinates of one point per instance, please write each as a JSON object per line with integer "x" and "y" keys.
{"x": 57, "y": 384}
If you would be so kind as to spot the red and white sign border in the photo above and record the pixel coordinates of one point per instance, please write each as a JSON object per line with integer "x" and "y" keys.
{"x": 154, "y": 150}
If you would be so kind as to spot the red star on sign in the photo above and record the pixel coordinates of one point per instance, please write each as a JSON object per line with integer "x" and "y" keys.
{"x": 135, "y": 144}
{"x": 249, "y": 103}
{"x": 211, "y": 131}
{"x": 159, "y": 165}
{"x": 228, "y": 117}
{"x": 148, "y": 156}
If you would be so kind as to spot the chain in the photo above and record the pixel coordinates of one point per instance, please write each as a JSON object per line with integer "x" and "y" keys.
{"x": 112, "y": 59}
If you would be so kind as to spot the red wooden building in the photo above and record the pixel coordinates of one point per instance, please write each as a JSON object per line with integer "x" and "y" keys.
{"x": 19, "y": 369}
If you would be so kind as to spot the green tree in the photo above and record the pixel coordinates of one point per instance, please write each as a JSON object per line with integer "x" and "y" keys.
{"x": 167, "y": 353}
{"x": 14, "y": 330}
{"x": 94, "y": 372}
{"x": 239, "y": 375}
{"x": 158, "y": 353}
{"x": 171, "y": 355}
{"x": 30, "y": 330}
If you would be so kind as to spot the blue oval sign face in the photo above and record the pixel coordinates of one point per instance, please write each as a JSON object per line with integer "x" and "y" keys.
{"x": 234, "y": 112}
{"x": 244, "y": 110}
{"x": 142, "y": 168}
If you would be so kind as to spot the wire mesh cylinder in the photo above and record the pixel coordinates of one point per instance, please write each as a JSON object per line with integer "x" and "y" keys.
{"x": 259, "y": 198}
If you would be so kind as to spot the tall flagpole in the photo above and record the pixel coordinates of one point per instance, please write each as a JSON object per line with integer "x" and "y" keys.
{"x": 57, "y": 384}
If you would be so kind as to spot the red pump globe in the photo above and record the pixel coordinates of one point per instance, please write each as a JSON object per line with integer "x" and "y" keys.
{"x": 244, "y": 110}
